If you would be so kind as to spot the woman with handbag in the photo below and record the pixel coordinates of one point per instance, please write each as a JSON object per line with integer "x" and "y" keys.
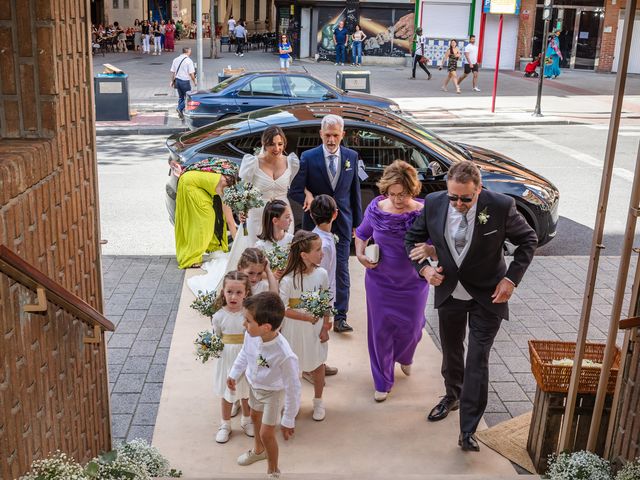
{"x": 450, "y": 60}
{"x": 420, "y": 57}
{"x": 394, "y": 325}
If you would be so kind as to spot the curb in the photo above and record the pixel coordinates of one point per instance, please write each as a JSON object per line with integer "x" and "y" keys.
{"x": 126, "y": 131}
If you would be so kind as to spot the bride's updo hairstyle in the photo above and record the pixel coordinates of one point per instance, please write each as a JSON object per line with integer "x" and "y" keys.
{"x": 400, "y": 173}
{"x": 270, "y": 133}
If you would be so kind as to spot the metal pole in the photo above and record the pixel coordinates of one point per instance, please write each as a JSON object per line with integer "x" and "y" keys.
{"x": 495, "y": 75}
{"x": 596, "y": 245}
{"x": 200, "y": 77}
{"x": 616, "y": 308}
{"x": 537, "y": 112}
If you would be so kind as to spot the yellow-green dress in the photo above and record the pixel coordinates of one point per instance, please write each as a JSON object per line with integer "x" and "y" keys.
{"x": 195, "y": 222}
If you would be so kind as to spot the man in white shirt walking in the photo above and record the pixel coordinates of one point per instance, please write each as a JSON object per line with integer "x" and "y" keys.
{"x": 183, "y": 71}
{"x": 241, "y": 38}
{"x": 420, "y": 57}
{"x": 470, "y": 62}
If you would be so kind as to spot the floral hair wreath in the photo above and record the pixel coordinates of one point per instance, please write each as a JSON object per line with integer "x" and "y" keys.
{"x": 215, "y": 165}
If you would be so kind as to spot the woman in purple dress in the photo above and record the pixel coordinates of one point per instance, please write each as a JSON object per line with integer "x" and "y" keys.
{"x": 396, "y": 295}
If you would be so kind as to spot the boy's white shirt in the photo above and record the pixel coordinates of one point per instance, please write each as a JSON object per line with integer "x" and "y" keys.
{"x": 281, "y": 374}
{"x": 328, "y": 258}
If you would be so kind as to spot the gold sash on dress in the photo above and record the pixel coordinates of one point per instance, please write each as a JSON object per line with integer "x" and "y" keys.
{"x": 294, "y": 302}
{"x": 233, "y": 338}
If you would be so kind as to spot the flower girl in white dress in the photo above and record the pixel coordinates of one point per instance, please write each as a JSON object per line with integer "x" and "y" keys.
{"x": 254, "y": 264}
{"x": 271, "y": 172}
{"x": 228, "y": 324}
{"x": 306, "y": 334}
{"x": 276, "y": 222}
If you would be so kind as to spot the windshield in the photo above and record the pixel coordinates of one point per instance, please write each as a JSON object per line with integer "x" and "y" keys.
{"x": 225, "y": 83}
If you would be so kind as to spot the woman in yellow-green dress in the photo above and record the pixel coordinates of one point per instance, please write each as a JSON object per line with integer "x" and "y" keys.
{"x": 201, "y": 218}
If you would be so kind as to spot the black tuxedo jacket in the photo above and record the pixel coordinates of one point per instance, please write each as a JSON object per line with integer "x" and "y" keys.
{"x": 484, "y": 265}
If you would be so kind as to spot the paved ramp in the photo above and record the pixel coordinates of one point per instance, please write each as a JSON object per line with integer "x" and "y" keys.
{"x": 359, "y": 438}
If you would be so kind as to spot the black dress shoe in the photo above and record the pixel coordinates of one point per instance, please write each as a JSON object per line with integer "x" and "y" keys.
{"x": 341, "y": 326}
{"x": 468, "y": 442}
{"x": 442, "y": 409}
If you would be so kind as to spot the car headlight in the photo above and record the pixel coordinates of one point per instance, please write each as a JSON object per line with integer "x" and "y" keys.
{"x": 540, "y": 196}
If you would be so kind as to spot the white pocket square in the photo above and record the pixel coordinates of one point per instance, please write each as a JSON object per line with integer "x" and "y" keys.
{"x": 490, "y": 233}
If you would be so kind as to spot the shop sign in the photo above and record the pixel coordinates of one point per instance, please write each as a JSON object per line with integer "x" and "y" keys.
{"x": 502, "y": 7}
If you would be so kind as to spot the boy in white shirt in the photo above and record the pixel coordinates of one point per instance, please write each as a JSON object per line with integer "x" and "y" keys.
{"x": 271, "y": 369}
{"x": 470, "y": 63}
{"x": 324, "y": 211}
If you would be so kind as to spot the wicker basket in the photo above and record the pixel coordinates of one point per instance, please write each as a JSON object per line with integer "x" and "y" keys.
{"x": 556, "y": 378}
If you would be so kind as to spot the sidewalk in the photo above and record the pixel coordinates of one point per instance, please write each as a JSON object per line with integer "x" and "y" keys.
{"x": 575, "y": 97}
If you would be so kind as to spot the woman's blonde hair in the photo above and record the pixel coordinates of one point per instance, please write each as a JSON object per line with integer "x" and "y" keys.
{"x": 400, "y": 173}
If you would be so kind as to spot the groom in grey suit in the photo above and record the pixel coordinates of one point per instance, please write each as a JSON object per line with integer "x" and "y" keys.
{"x": 468, "y": 227}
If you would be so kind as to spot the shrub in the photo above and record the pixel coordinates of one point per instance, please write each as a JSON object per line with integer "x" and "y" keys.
{"x": 55, "y": 467}
{"x": 578, "y": 466}
{"x": 631, "y": 471}
{"x": 141, "y": 453}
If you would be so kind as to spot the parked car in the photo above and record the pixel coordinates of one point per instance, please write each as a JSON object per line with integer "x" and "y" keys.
{"x": 379, "y": 137}
{"x": 255, "y": 90}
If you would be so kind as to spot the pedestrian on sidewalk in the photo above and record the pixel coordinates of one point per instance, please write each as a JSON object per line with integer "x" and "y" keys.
{"x": 157, "y": 39}
{"x": 356, "y": 46}
{"x": 232, "y": 26}
{"x": 284, "y": 48}
{"x": 450, "y": 60}
{"x": 183, "y": 72}
{"x": 420, "y": 57}
{"x": 169, "y": 36}
{"x": 146, "y": 48}
{"x": 137, "y": 35}
{"x": 470, "y": 62}
{"x": 241, "y": 36}
{"x": 163, "y": 30}
{"x": 340, "y": 39}
{"x": 552, "y": 62}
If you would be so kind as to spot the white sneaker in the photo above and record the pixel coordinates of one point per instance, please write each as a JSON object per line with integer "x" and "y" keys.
{"x": 380, "y": 396}
{"x": 224, "y": 432}
{"x": 476, "y": 89}
{"x": 318, "y": 410}
{"x": 406, "y": 369}
{"x": 249, "y": 429}
{"x": 249, "y": 457}
{"x": 242, "y": 54}
{"x": 275, "y": 474}
{"x": 235, "y": 408}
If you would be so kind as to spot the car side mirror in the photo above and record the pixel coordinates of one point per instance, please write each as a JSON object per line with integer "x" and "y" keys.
{"x": 329, "y": 96}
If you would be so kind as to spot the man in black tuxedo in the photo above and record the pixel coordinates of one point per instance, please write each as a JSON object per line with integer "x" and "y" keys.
{"x": 468, "y": 227}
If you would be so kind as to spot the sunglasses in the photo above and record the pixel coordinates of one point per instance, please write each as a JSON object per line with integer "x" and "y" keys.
{"x": 455, "y": 198}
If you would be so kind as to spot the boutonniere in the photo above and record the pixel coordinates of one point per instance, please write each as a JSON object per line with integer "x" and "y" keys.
{"x": 262, "y": 362}
{"x": 347, "y": 165}
{"x": 483, "y": 216}
{"x": 336, "y": 238}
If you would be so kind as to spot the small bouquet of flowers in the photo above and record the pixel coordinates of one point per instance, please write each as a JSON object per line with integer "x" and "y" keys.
{"x": 208, "y": 345}
{"x": 317, "y": 302}
{"x": 205, "y": 303}
{"x": 277, "y": 257}
{"x": 241, "y": 198}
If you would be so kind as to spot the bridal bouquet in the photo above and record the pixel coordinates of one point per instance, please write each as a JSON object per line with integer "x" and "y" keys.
{"x": 317, "y": 302}
{"x": 277, "y": 257}
{"x": 241, "y": 198}
{"x": 208, "y": 345}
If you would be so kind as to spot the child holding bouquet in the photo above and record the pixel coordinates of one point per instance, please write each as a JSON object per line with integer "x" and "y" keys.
{"x": 306, "y": 332}
{"x": 254, "y": 264}
{"x": 276, "y": 220}
{"x": 228, "y": 325}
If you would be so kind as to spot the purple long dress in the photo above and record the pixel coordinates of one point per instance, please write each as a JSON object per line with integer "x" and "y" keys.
{"x": 396, "y": 295}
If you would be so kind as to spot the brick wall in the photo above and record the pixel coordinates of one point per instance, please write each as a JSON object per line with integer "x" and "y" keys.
{"x": 608, "y": 43}
{"x": 525, "y": 30}
{"x": 53, "y": 388}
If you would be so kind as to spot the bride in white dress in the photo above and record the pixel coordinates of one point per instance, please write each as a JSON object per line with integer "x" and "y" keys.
{"x": 271, "y": 172}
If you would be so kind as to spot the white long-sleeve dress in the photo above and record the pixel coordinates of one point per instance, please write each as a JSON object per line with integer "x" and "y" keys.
{"x": 271, "y": 189}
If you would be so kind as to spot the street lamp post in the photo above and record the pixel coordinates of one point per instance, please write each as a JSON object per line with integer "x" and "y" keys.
{"x": 546, "y": 16}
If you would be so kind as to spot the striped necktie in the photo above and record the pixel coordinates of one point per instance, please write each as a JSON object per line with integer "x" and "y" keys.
{"x": 460, "y": 237}
{"x": 332, "y": 165}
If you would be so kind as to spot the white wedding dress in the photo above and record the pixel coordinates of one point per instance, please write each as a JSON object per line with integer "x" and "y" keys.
{"x": 223, "y": 262}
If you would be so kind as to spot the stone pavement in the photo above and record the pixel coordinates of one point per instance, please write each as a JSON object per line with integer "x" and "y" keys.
{"x": 142, "y": 296}
{"x": 563, "y": 99}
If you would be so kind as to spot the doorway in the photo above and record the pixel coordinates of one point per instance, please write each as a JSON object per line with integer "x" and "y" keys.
{"x": 580, "y": 35}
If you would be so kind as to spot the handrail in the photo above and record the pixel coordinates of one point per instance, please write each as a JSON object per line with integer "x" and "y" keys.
{"x": 629, "y": 323}
{"x": 26, "y": 274}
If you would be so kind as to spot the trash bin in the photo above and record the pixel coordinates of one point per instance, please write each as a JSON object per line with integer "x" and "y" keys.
{"x": 112, "y": 96}
{"x": 354, "y": 80}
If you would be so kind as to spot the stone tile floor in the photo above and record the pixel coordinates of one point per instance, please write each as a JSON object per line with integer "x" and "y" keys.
{"x": 142, "y": 296}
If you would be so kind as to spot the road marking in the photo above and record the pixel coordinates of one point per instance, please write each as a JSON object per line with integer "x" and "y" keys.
{"x": 622, "y": 173}
{"x": 621, "y": 129}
